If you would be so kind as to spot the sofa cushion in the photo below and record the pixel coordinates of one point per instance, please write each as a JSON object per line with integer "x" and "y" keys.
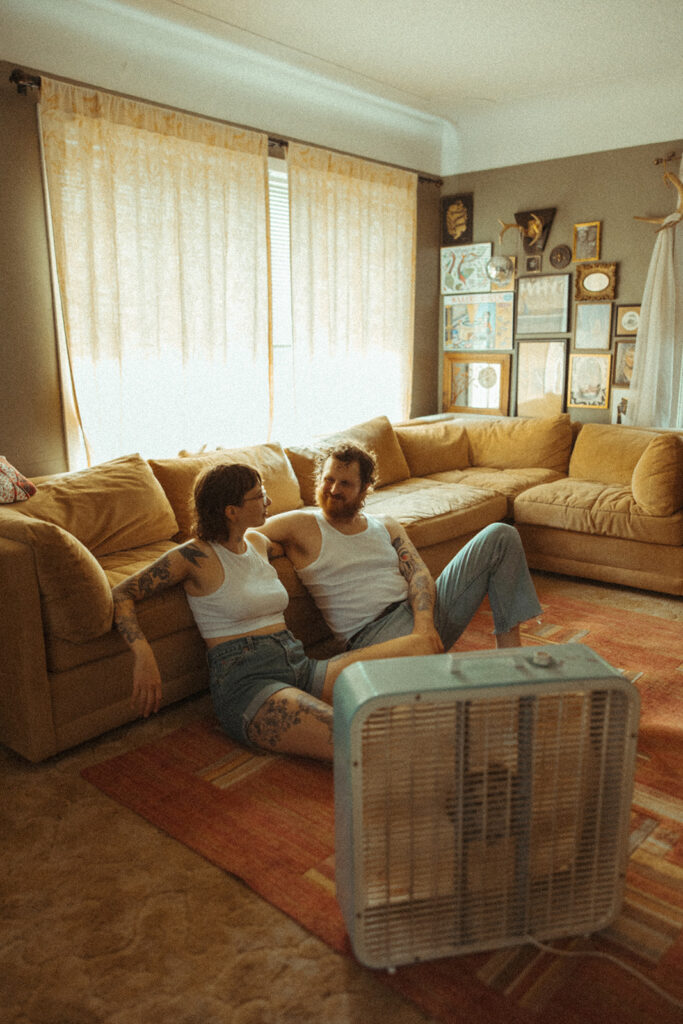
{"x": 177, "y": 477}
{"x": 434, "y": 447}
{"x": 509, "y": 443}
{"x": 435, "y": 512}
{"x": 607, "y": 453}
{"x": 657, "y": 481}
{"x": 110, "y": 507}
{"x": 590, "y": 507}
{"x": 508, "y": 482}
{"x": 377, "y": 434}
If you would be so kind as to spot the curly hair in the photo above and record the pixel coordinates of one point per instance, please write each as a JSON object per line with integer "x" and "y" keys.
{"x": 348, "y": 452}
{"x": 214, "y": 489}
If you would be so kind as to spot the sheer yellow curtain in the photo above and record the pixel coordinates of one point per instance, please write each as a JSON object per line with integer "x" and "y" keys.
{"x": 159, "y": 224}
{"x": 352, "y": 227}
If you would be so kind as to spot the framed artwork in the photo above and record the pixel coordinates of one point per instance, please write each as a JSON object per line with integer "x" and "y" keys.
{"x": 593, "y": 325}
{"x": 476, "y": 383}
{"x": 624, "y": 356}
{"x": 589, "y": 381}
{"x": 463, "y": 268}
{"x": 596, "y": 282}
{"x": 541, "y": 376}
{"x": 543, "y": 304}
{"x": 620, "y": 405}
{"x": 534, "y": 264}
{"x": 457, "y": 214}
{"x": 472, "y": 322}
{"x": 626, "y": 321}
{"x": 586, "y": 241}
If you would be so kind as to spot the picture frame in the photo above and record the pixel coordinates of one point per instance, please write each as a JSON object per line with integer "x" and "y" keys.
{"x": 586, "y": 241}
{"x": 457, "y": 218}
{"x": 534, "y": 264}
{"x": 589, "y": 380}
{"x": 619, "y": 404}
{"x": 624, "y": 356}
{"x": 543, "y": 304}
{"x": 478, "y": 322}
{"x": 476, "y": 383}
{"x": 541, "y": 377}
{"x": 592, "y": 326}
{"x": 463, "y": 268}
{"x": 626, "y": 321}
{"x": 595, "y": 282}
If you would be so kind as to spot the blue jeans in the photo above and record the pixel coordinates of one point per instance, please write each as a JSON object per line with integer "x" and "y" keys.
{"x": 245, "y": 672}
{"x": 492, "y": 563}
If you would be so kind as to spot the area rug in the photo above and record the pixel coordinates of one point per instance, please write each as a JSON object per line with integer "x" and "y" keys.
{"x": 269, "y": 821}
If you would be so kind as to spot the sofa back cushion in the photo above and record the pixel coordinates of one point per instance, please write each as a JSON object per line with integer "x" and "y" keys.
{"x": 434, "y": 447}
{"x": 607, "y": 453}
{"x": 177, "y": 477}
{"x": 111, "y": 507}
{"x": 657, "y": 481}
{"x": 377, "y": 434}
{"x": 509, "y": 443}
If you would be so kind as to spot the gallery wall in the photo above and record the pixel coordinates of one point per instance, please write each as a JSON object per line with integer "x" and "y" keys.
{"x": 611, "y": 188}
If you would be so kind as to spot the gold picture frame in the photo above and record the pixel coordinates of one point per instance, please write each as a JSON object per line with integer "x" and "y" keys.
{"x": 589, "y": 380}
{"x": 476, "y": 382}
{"x": 595, "y": 282}
{"x": 586, "y": 241}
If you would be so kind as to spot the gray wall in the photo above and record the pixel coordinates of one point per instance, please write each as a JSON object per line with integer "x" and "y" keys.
{"x": 611, "y": 187}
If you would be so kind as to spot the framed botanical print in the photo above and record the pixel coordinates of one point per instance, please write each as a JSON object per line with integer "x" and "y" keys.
{"x": 476, "y": 382}
{"x": 593, "y": 325}
{"x": 586, "y": 241}
{"x": 589, "y": 381}
{"x": 626, "y": 321}
{"x": 543, "y": 304}
{"x": 463, "y": 268}
{"x": 541, "y": 377}
{"x": 472, "y": 322}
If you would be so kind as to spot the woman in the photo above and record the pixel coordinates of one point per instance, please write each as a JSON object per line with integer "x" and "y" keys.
{"x": 266, "y": 692}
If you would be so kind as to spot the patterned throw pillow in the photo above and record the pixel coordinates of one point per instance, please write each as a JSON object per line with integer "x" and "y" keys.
{"x": 13, "y": 486}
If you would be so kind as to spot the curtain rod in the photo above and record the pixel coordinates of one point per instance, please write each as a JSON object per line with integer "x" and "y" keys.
{"x": 25, "y": 81}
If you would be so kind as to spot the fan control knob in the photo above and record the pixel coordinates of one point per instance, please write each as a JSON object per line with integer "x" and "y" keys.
{"x": 542, "y": 659}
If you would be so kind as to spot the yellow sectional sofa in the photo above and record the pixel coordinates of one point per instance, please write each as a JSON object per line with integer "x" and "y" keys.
{"x": 65, "y": 675}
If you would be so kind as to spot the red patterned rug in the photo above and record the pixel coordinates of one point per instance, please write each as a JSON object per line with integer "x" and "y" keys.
{"x": 269, "y": 820}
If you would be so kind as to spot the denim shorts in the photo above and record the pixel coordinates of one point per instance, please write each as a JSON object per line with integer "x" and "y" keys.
{"x": 245, "y": 672}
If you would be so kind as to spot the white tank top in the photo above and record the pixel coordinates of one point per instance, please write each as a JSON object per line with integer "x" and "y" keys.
{"x": 355, "y": 576}
{"x": 250, "y": 597}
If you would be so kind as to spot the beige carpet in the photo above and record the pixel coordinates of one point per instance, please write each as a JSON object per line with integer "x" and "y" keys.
{"x": 105, "y": 920}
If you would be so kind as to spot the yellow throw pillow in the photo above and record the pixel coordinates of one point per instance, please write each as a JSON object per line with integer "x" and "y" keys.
{"x": 657, "y": 482}
{"x": 177, "y": 477}
{"x": 434, "y": 447}
{"x": 538, "y": 443}
{"x": 111, "y": 507}
{"x": 607, "y": 453}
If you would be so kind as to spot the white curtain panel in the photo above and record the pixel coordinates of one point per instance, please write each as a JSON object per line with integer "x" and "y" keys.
{"x": 353, "y": 230}
{"x": 656, "y": 393}
{"x": 160, "y": 249}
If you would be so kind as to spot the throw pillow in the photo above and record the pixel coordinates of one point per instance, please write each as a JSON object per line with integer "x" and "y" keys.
{"x": 657, "y": 481}
{"x": 13, "y": 485}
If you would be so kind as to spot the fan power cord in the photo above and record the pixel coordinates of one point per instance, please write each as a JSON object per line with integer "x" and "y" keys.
{"x": 607, "y": 956}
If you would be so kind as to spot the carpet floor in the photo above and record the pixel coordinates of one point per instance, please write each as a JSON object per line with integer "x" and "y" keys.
{"x": 107, "y": 920}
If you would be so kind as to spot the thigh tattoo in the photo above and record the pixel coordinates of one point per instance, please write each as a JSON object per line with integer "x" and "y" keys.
{"x": 277, "y": 716}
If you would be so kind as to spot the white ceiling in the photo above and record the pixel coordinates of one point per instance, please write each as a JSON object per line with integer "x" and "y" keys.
{"x": 450, "y": 56}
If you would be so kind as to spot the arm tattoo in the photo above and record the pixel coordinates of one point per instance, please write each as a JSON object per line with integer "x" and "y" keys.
{"x": 419, "y": 580}
{"x": 192, "y": 553}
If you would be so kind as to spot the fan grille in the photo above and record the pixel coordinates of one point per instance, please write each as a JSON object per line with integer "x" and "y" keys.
{"x": 482, "y": 822}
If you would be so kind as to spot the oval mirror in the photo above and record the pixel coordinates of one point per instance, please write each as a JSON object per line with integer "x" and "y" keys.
{"x": 596, "y": 282}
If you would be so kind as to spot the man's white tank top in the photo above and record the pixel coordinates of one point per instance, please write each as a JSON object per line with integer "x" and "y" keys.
{"x": 250, "y": 597}
{"x": 355, "y": 576}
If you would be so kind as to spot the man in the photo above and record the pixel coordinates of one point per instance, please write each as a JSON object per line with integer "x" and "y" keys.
{"x": 370, "y": 583}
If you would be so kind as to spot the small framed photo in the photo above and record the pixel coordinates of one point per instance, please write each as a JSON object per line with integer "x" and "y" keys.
{"x": 589, "y": 381}
{"x": 593, "y": 324}
{"x": 624, "y": 357}
{"x": 472, "y": 322}
{"x": 534, "y": 264}
{"x": 543, "y": 304}
{"x": 457, "y": 214}
{"x": 541, "y": 377}
{"x": 476, "y": 383}
{"x": 620, "y": 405}
{"x": 463, "y": 268}
{"x": 595, "y": 282}
{"x": 626, "y": 321}
{"x": 586, "y": 241}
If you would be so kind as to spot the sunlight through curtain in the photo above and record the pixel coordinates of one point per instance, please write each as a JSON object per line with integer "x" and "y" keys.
{"x": 353, "y": 230}
{"x": 656, "y": 393}
{"x": 160, "y": 249}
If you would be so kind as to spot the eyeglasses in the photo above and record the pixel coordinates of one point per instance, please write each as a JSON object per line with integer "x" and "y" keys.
{"x": 257, "y": 497}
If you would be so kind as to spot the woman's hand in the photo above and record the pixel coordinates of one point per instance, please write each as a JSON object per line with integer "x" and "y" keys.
{"x": 146, "y": 696}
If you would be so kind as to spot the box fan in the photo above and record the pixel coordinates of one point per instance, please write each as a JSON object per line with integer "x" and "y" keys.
{"x": 480, "y": 799}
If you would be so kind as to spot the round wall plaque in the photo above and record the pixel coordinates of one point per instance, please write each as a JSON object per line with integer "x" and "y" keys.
{"x": 560, "y": 256}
